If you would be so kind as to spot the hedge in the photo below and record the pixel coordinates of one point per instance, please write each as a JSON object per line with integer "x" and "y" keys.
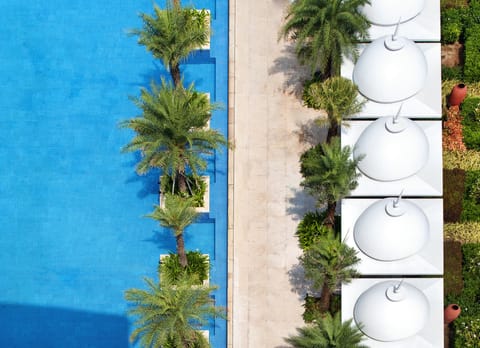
{"x": 471, "y": 69}
{"x": 464, "y": 232}
{"x": 467, "y": 332}
{"x": 452, "y": 25}
{"x": 470, "y": 111}
{"x": 452, "y": 280}
{"x": 471, "y": 197}
{"x": 453, "y": 189}
{"x": 466, "y": 160}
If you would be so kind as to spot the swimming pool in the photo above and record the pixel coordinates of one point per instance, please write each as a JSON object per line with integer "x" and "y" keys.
{"x": 73, "y": 234}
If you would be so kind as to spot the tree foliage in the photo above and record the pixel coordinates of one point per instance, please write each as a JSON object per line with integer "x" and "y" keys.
{"x": 328, "y": 171}
{"x": 327, "y": 263}
{"x": 170, "y": 315}
{"x": 324, "y": 30}
{"x": 177, "y": 214}
{"x": 171, "y": 133}
{"x": 171, "y": 34}
{"x": 327, "y": 332}
{"x": 338, "y": 97}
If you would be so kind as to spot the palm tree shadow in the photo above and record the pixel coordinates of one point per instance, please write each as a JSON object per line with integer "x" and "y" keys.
{"x": 295, "y": 75}
{"x": 299, "y": 203}
{"x": 163, "y": 239}
{"x": 309, "y": 133}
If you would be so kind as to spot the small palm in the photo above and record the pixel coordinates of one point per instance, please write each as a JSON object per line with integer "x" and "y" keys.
{"x": 168, "y": 315}
{"x": 172, "y": 34}
{"x": 324, "y": 30}
{"x": 329, "y": 172}
{"x": 327, "y": 332}
{"x": 171, "y": 133}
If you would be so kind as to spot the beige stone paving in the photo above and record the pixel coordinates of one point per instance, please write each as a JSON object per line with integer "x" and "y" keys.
{"x": 265, "y": 119}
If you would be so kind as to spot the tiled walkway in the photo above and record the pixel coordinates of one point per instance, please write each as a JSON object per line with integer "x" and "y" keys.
{"x": 266, "y": 201}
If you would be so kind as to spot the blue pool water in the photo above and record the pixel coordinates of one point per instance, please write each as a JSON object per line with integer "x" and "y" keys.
{"x": 73, "y": 236}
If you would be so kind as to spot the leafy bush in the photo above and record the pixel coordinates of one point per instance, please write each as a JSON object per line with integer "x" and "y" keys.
{"x": 467, "y": 332}
{"x": 469, "y": 299}
{"x": 471, "y": 198}
{"x": 312, "y": 227}
{"x": 312, "y": 309}
{"x": 452, "y": 281}
{"x": 466, "y": 160}
{"x": 471, "y": 17}
{"x": 452, "y": 73}
{"x": 452, "y": 25}
{"x": 453, "y": 189}
{"x": 198, "y": 267}
{"x": 465, "y": 232}
{"x": 471, "y": 122}
{"x": 196, "y": 188}
{"x": 471, "y": 69}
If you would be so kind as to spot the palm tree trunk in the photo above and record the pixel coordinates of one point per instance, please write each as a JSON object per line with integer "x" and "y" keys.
{"x": 330, "y": 219}
{"x": 176, "y": 3}
{"x": 332, "y": 132}
{"x": 325, "y": 298}
{"x": 175, "y": 74}
{"x": 181, "y": 182}
{"x": 182, "y": 256}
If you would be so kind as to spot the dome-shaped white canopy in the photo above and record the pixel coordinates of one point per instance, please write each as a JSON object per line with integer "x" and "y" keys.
{"x": 390, "y": 69}
{"x": 391, "y": 229}
{"x": 389, "y": 12}
{"x": 392, "y": 149}
{"x": 391, "y": 311}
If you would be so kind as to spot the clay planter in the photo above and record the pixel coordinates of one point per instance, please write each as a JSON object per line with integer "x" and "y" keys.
{"x": 459, "y": 92}
{"x": 451, "y": 313}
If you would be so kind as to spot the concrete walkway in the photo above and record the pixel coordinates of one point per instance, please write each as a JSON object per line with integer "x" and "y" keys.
{"x": 265, "y": 199}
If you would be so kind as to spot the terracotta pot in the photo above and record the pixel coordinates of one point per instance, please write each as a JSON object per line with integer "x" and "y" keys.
{"x": 459, "y": 92}
{"x": 451, "y": 313}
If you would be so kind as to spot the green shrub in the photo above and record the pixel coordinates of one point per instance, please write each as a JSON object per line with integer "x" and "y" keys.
{"x": 311, "y": 309}
{"x": 453, "y": 189}
{"x": 465, "y": 232}
{"x": 452, "y": 280}
{"x": 466, "y": 160}
{"x": 471, "y": 17}
{"x": 452, "y": 73}
{"x": 198, "y": 267}
{"x": 470, "y": 111}
{"x": 196, "y": 188}
{"x": 471, "y": 69}
{"x": 471, "y": 197}
{"x": 469, "y": 299}
{"x": 452, "y": 25}
{"x": 467, "y": 331}
{"x": 312, "y": 227}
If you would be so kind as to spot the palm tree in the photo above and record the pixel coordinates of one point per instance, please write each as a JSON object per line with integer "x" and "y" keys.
{"x": 328, "y": 332}
{"x": 327, "y": 263}
{"x": 338, "y": 97}
{"x": 324, "y": 30}
{"x": 172, "y": 34}
{"x": 329, "y": 174}
{"x": 169, "y": 315}
{"x": 171, "y": 134}
{"x": 177, "y": 214}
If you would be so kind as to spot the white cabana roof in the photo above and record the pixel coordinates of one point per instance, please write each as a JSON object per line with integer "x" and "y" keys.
{"x": 390, "y": 12}
{"x": 391, "y": 229}
{"x": 390, "y": 69}
{"x": 391, "y": 149}
{"x": 391, "y": 311}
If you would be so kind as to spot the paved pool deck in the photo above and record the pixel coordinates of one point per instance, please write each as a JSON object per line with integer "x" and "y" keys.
{"x": 265, "y": 199}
